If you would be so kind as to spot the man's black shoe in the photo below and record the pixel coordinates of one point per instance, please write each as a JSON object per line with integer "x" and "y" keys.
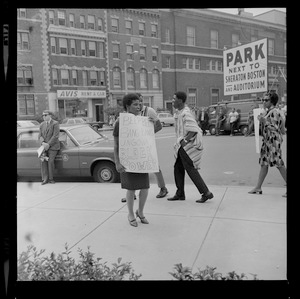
{"x": 205, "y": 197}
{"x": 175, "y": 197}
{"x": 44, "y": 182}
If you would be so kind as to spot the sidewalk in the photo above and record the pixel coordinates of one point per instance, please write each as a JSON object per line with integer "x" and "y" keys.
{"x": 233, "y": 231}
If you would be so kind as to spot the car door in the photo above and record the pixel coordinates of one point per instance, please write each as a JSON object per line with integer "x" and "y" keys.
{"x": 28, "y": 163}
{"x": 67, "y": 159}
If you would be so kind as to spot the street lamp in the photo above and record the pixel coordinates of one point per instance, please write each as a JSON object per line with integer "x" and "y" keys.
{"x": 125, "y": 67}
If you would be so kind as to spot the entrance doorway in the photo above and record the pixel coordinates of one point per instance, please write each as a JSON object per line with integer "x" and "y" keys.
{"x": 99, "y": 112}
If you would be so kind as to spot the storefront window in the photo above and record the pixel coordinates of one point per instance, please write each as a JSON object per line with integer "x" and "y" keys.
{"x": 73, "y": 108}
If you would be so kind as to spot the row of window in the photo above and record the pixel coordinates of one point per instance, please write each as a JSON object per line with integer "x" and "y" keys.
{"x": 95, "y": 23}
{"x": 130, "y": 77}
{"x": 76, "y": 47}
{"x": 214, "y": 40}
{"x": 78, "y": 78}
{"x": 83, "y": 22}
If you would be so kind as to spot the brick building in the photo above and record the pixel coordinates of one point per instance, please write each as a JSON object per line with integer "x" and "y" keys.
{"x": 134, "y": 54}
{"x": 193, "y": 41}
{"x": 73, "y": 61}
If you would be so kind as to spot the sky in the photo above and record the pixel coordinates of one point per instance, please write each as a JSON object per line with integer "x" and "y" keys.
{"x": 254, "y": 11}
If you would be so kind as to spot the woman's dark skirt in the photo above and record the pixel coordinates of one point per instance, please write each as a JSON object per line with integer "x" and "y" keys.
{"x": 134, "y": 181}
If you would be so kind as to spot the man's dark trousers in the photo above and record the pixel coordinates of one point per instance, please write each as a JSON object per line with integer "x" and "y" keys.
{"x": 184, "y": 162}
{"x": 48, "y": 167}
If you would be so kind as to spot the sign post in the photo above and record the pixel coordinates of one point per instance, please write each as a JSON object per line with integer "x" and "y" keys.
{"x": 137, "y": 146}
{"x": 245, "y": 68}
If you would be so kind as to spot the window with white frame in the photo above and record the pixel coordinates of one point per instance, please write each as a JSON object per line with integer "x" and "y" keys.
{"x": 142, "y": 53}
{"x": 93, "y": 78}
{"x": 102, "y": 78}
{"x": 155, "y": 54}
{"x": 128, "y": 27}
{"x": 92, "y": 49}
{"x": 192, "y": 97}
{"x": 143, "y": 78}
{"x": 155, "y": 79}
{"x": 71, "y": 20}
{"x": 191, "y": 63}
{"x": 100, "y": 24}
{"x": 53, "y": 44}
{"x": 91, "y": 22}
{"x": 168, "y": 62}
{"x": 24, "y": 75}
{"x": 54, "y": 77}
{"x": 235, "y": 39}
{"x": 61, "y": 15}
{"x": 214, "y": 39}
{"x": 51, "y": 16}
{"x": 114, "y": 25}
{"x": 116, "y": 77}
{"x": 154, "y": 32}
{"x": 64, "y": 77}
{"x": 84, "y": 78}
{"x": 129, "y": 52}
{"x": 116, "y": 51}
{"x": 63, "y": 46}
{"x": 101, "y": 50}
{"x": 74, "y": 77}
{"x": 83, "y": 48}
{"x": 214, "y": 65}
{"x": 23, "y": 41}
{"x": 26, "y": 104}
{"x": 271, "y": 46}
{"x": 190, "y": 35}
{"x": 82, "y": 22}
{"x": 141, "y": 28}
{"x": 130, "y": 77}
{"x": 167, "y": 36}
{"x": 73, "y": 46}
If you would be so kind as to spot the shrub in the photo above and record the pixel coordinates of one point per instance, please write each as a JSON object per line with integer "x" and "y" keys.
{"x": 185, "y": 273}
{"x": 32, "y": 265}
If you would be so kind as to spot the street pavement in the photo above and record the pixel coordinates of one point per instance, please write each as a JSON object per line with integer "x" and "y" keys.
{"x": 233, "y": 231}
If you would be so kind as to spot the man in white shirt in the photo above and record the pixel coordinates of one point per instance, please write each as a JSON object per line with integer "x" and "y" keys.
{"x": 233, "y": 119}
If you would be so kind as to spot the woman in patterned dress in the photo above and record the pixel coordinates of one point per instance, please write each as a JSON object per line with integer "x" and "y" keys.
{"x": 270, "y": 153}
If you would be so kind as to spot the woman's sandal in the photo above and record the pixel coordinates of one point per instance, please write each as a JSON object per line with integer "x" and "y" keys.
{"x": 255, "y": 191}
{"x": 143, "y": 219}
{"x": 132, "y": 222}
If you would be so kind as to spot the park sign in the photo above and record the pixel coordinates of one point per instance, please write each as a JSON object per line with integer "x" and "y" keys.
{"x": 137, "y": 147}
{"x": 246, "y": 68}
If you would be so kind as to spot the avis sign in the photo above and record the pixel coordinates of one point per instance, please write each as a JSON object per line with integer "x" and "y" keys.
{"x": 246, "y": 68}
{"x": 137, "y": 147}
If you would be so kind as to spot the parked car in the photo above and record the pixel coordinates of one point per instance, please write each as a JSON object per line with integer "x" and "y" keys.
{"x": 84, "y": 153}
{"x": 241, "y": 106}
{"x": 27, "y": 123}
{"x": 166, "y": 119}
{"x": 79, "y": 120}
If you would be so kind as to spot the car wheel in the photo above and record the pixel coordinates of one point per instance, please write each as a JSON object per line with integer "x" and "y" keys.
{"x": 95, "y": 127}
{"x": 212, "y": 130}
{"x": 105, "y": 172}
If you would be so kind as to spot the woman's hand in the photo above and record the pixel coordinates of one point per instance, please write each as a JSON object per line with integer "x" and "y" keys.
{"x": 120, "y": 168}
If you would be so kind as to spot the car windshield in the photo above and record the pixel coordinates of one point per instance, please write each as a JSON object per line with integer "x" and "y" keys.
{"x": 85, "y": 135}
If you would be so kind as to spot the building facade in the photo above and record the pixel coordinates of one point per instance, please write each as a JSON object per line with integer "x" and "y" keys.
{"x": 134, "y": 55}
{"x": 79, "y": 62}
{"x": 193, "y": 41}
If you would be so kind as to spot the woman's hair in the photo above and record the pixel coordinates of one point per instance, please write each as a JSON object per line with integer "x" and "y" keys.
{"x": 128, "y": 99}
{"x": 181, "y": 95}
{"x": 273, "y": 98}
